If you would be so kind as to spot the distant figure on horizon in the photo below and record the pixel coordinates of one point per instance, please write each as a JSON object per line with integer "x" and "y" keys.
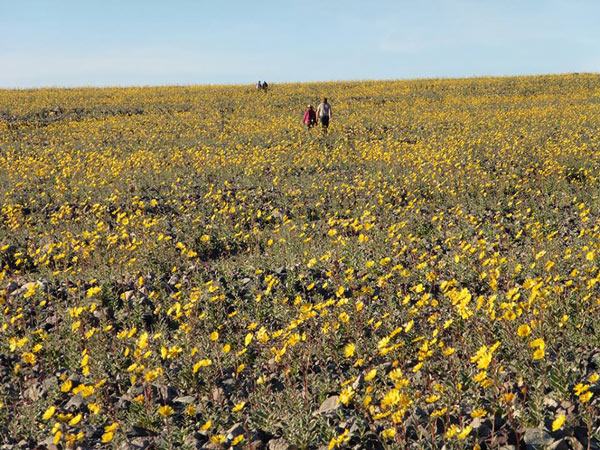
{"x": 265, "y": 86}
{"x": 310, "y": 117}
{"x": 324, "y": 114}
{"x": 258, "y": 86}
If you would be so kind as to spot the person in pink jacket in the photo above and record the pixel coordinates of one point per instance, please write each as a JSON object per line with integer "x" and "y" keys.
{"x": 310, "y": 117}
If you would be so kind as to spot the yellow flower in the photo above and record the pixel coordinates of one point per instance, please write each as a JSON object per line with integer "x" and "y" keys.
{"x": 558, "y": 423}
{"x": 389, "y": 433}
{"x": 29, "y": 358}
{"x": 539, "y": 342}
{"x": 206, "y": 425}
{"x": 201, "y": 363}
{"x": 439, "y": 412}
{"x": 482, "y": 375}
{"x": 478, "y": 413}
{"x": 239, "y": 406}
{"x": 346, "y": 395}
{"x": 190, "y": 410}
{"x": 449, "y": 351}
{"x": 218, "y": 439}
{"x": 371, "y": 374}
{"x": 432, "y": 398}
{"x": 524, "y": 330}
{"x": 214, "y": 335}
{"x": 584, "y": 398}
{"x": 165, "y": 411}
{"x": 107, "y": 436}
{"x": 508, "y": 397}
{"x": 539, "y": 354}
{"x": 75, "y": 420}
{"x": 93, "y": 291}
{"x": 465, "y": 432}
{"x": 49, "y": 413}
{"x": 451, "y": 431}
{"x": 349, "y": 350}
{"x": 111, "y": 427}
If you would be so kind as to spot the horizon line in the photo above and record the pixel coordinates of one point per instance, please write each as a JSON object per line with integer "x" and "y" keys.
{"x": 295, "y": 82}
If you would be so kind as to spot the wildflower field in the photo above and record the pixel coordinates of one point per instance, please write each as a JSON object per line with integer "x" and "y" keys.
{"x": 188, "y": 267}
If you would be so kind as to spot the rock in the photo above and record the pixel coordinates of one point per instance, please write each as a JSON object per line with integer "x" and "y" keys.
{"x": 234, "y": 432}
{"x": 217, "y": 394}
{"x": 563, "y": 444}
{"x": 195, "y": 440}
{"x": 550, "y": 403}
{"x": 74, "y": 402}
{"x": 594, "y": 361}
{"x": 12, "y": 286}
{"x": 49, "y": 382}
{"x": 358, "y": 382}
{"x": 567, "y": 406}
{"x": 173, "y": 280}
{"x": 581, "y": 434}
{"x": 537, "y": 438}
{"x": 574, "y": 443}
{"x": 280, "y": 444}
{"x": 212, "y": 446}
{"x": 482, "y": 426}
{"x": 25, "y": 288}
{"x": 370, "y": 441}
{"x": 166, "y": 392}
{"x": 139, "y": 431}
{"x": 275, "y": 384}
{"x": 330, "y": 405}
{"x": 138, "y": 443}
{"x": 47, "y": 443}
{"x": 34, "y": 392}
{"x": 186, "y": 400}
{"x": 228, "y": 383}
{"x": 257, "y": 445}
{"x": 349, "y": 425}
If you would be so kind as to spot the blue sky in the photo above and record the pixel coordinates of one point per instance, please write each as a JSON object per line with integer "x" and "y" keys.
{"x": 131, "y": 42}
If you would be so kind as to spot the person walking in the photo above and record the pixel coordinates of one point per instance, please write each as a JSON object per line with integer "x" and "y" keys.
{"x": 310, "y": 117}
{"x": 324, "y": 114}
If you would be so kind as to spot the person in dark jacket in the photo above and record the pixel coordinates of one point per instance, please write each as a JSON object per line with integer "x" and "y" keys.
{"x": 324, "y": 114}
